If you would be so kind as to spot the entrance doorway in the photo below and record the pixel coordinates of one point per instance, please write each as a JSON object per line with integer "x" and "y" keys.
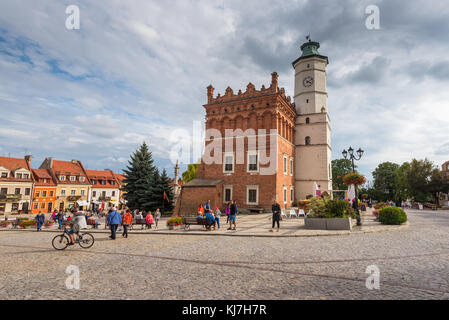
{"x": 50, "y": 207}
{"x": 61, "y": 206}
{"x": 25, "y": 207}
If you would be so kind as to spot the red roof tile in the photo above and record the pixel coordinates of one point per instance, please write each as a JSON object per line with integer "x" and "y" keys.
{"x": 13, "y": 164}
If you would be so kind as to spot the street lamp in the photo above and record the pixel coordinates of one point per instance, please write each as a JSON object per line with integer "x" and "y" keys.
{"x": 352, "y": 157}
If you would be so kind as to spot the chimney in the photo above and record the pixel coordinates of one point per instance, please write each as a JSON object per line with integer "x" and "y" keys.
{"x": 210, "y": 93}
{"x": 28, "y": 158}
{"x": 75, "y": 161}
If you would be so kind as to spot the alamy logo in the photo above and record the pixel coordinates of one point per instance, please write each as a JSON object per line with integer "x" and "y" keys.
{"x": 73, "y": 20}
{"x": 372, "y": 22}
{"x": 373, "y": 281}
{"x": 73, "y": 280}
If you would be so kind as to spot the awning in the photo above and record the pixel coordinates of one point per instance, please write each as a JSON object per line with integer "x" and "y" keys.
{"x": 82, "y": 203}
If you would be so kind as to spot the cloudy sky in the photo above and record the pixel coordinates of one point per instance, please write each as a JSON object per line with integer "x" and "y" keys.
{"x": 138, "y": 70}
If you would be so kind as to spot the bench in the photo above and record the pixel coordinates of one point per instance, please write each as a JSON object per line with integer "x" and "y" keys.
{"x": 256, "y": 210}
{"x": 142, "y": 222}
{"x": 91, "y": 222}
{"x": 188, "y": 221}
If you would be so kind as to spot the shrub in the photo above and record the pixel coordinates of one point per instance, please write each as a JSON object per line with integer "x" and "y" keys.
{"x": 392, "y": 215}
{"x": 309, "y": 196}
{"x": 319, "y": 207}
{"x": 337, "y": 209}
{"x": 26, "y": 223}
{"x": 380, "y": 205}
{"x": 4, "y": 224}
{"x": 176, "y": 221}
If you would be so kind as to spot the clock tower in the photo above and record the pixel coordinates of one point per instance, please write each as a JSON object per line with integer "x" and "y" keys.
{"x": 313, "y": 131}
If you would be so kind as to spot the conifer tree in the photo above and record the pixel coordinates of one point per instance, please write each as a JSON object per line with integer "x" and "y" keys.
{"x": 168, "y": 189}
{"x": 140, "y": 178}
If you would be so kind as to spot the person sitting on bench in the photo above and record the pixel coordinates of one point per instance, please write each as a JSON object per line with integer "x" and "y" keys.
{"x": 210, "y": 219}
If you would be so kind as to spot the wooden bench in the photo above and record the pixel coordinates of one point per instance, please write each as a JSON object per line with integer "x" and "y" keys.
{"x": 256, "y": 210}
{"x": 142, "y": 222}
{"x": 91, "y": 222}
{"x": 188, "y": 221}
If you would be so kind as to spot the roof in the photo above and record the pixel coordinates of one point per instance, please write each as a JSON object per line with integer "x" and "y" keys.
{"x": 13, "y": 164}
{"x": 106, "y": 175}
{"x": 119, "y": 177}
{"x": 68, "y": 168}
{"x": 202, "y": 183}
{"x": 310, "y": 49}
{"x": 42, "y": 174}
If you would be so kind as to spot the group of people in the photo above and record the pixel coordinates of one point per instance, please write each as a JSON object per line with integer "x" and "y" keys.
{"x": 125, "y": 218}
{"x": 213, "y": 216}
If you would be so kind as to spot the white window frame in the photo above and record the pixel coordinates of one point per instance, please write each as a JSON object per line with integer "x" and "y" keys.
{"x": 252, "y": 153}
{"x": 19, "y": 175}
{"x": 292, "y": 195}
{"x": 73, "y": 192}
{"x": 61, "y": 178}
{"x": 72, "y": 178}
{"x": 225, "y": 155}
{"x": 291, "y": 166}
{"x": 82, "y": 179}
{"x": 83, "y": 192}
{"x": 285, "y": 164}
{"x": 3, "y": 172}
{"x": 227, "y": 186}
{"x": 63, "y": 192}
{"x": 285, "y": 195}
{"x": 252, "y": 187}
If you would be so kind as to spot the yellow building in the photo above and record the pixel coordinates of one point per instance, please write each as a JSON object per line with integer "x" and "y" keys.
{"x": 72, "y": 183}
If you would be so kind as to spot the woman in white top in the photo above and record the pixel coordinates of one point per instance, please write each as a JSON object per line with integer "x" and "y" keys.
{"x": 157, "y": 216}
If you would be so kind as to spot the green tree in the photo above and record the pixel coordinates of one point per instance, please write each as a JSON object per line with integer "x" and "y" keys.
{"x": 340, "y": 167}
{"x": 402, "y": 192}
{"x": 439, "y": 183}
{"x": 418, "y": 178}
{"x": 190, "y": 173}
{"x": 140, "y": 178}
{"x": 164, "y": 185}
{"x": 384, "y": 180}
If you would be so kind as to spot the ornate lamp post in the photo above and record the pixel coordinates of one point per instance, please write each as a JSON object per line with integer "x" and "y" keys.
{"x": 352, "y": 157}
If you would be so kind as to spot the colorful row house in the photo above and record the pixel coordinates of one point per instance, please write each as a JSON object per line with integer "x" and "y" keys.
{"x": 72, "y": 184}
{"x": 105, "y": 190}
{"x": 44, "y": 193}
{"x": 16, "y": 185}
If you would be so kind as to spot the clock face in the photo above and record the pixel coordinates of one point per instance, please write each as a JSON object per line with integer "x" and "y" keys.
{"x": 308, "y": 81}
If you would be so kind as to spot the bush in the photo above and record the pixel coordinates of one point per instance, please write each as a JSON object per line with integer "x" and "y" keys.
{"x": 319, "y": 207}
{"x": 392, "y": 215}
{"x": 26, "y": 223}
{"x": 380, "y": 205}
{"x": 337, "y": 209}
{"x": 309, "y": 196}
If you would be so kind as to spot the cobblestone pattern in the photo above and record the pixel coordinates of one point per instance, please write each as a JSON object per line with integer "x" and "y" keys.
{"x": 413, "y": 264}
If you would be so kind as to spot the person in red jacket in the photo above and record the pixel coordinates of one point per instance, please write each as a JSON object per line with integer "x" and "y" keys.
{"x": 127, "y": 221}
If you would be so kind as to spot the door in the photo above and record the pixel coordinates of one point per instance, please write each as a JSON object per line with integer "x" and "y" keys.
{"x": 25, "y": 207}
{"x": 61, "y": 206}
{"x": 50, "y": 207}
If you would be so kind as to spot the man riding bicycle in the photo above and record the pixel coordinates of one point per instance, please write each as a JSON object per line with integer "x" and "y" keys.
{"x": 76, "y": 223}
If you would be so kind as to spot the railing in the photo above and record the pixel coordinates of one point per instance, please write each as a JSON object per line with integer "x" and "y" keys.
{"x": 104, "y": 198}
{"x": 10, "y": 197}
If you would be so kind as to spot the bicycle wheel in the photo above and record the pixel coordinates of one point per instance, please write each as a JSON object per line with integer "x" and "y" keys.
{"x": 86, "y": 240}
{"x": 60, "y": 242}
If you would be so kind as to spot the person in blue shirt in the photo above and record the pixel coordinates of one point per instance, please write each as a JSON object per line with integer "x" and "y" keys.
{"x": 210, "y": 218}
{"x": 207, "y": 206}
{"x": 114, "y": 219}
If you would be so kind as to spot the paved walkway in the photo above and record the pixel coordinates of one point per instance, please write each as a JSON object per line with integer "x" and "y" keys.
{"x": 257, "y": 225}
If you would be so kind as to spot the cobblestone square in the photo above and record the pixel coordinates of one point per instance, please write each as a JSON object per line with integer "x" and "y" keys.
{"x": 413, "y": 264}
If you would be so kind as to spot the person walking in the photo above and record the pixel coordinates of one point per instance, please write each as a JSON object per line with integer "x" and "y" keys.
{"x": 233, "y": 215}
{"x": 40, "y": 219}
{"x": 60, "y": 216}
{"x": 149, "y": 220}
{"x": 276, "y": 209}
{"x": 228, "y": 211}
{"x": 114, "y": 220}
{"x": 157, "y": 216}
{"x": 127, "y": 221}
{"x": 217, "y": 215}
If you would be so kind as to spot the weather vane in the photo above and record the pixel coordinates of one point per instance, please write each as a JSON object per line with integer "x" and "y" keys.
{"x": 308, "y": 37}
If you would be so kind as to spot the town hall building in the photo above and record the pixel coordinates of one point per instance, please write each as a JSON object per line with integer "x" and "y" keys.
{"x": 270, "y": 146}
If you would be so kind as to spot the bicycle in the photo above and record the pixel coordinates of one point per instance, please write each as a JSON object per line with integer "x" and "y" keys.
{"x": 85, "y": 240}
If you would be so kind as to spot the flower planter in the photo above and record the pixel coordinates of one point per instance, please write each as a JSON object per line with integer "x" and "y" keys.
{"x": 328, "y": 223}
{"x": 171, "y": 227}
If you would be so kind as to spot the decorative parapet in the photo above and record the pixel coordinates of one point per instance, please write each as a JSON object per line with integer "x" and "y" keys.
{"x": 250, "y": 92}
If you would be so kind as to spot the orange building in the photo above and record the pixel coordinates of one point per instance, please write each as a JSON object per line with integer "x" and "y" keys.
{"x": 44, "y": 197}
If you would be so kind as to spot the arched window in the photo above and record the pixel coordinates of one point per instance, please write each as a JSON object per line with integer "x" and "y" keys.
{"x": 307, "y": 120}
{"x": 308, "y": 140}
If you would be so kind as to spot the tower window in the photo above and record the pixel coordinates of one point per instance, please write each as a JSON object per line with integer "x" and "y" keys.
{"x": 307, "y": 100}
{"x": 308, "y": 140}
{"x": 307, "y": 120}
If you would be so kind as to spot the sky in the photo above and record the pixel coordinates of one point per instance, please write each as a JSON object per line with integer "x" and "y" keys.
{"x": 138, "y": 70}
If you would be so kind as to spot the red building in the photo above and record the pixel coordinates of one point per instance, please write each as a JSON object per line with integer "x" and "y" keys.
{"x": 252, "y": 142}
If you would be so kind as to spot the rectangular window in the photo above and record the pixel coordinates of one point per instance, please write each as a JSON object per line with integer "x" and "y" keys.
{"x": 43, "y": 205}
{"x": 291, "y": 195}
{"x": 50, "y": 194}
{"x": 4, "y": 174}
{"x": 228, "y": 163}
{"x": 252, "y": 194}
{"x": 27, "y": 191}
{"x": 104, "y": 194}
{"x": 291, "y": 166}
{"x": 17, "y": 191}
{"x": 44, "y": 194}
{"x": 4, "y": 191}
{"x": 227, "y": 193}
{"x": 36, "y": 206}
{"x": 19, "y": 176}
{"x": 62, "y": 178}
{"x": 15, "y": 207}
{"x": 285, "y": 195}
{"x": 26, "y": 176}
{"x": 253, "y": 164}
{"x": 94, "y": 194}
{"x": 72, "y": 192}
{"x": 72, "y": 178}
{"x": 37, "y": 194}
{"x": 113, "y": 193}
{"x": 63, "y": 192}
{"x": 82, "y": 192}
{"x": 82, "y": 179}
{"x": 285, "y": 164}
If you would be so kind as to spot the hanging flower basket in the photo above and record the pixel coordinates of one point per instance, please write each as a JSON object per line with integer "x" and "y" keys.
{"x": 354, "y": 178}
